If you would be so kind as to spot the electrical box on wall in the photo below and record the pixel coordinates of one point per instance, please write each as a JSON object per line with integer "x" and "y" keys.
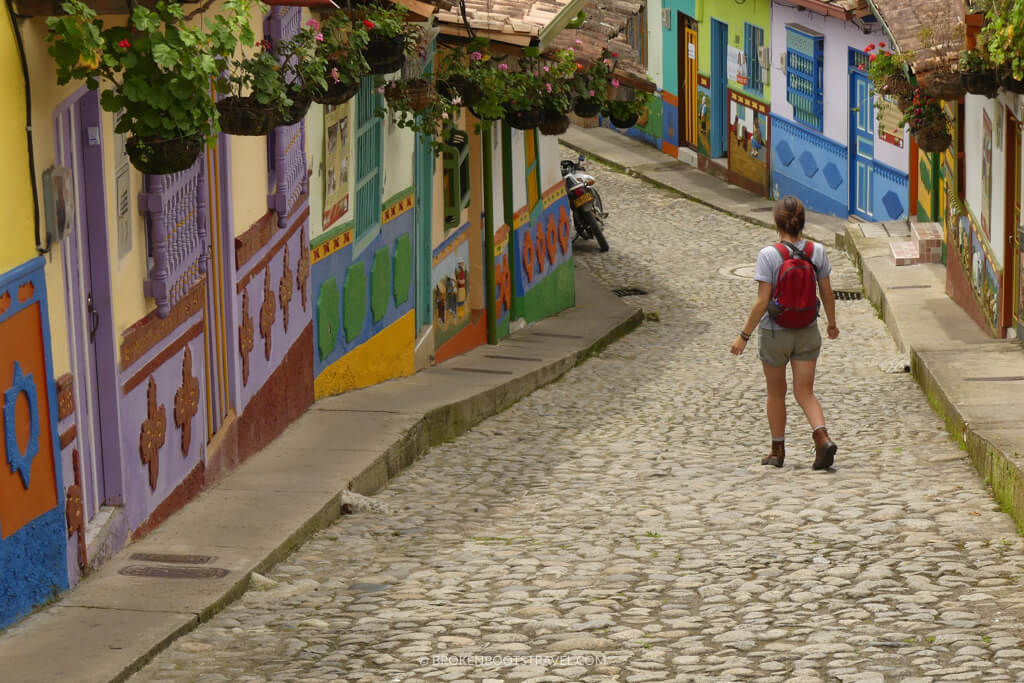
{"x": 666, "y": 18}
{"x": 58, "y": 201}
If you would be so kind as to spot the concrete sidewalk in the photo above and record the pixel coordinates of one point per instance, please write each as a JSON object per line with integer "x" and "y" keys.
{"x": 972, "y": 380}
{"x": 202, "y": 558}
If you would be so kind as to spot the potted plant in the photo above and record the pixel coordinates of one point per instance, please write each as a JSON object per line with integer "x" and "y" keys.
{"x": 390, "y": 38}
{"x": 156, "y": 70}
{"x": 491, "y": 78}
{"x": 523, "y": 99}
{"x": 624, "y": 114}
{"x": 303, "y": 70}
{"x": 888, "y": 73}
{"x": 977, "y": 77}
{"x": 416, "y": 105}
{"x": 591, "y": 84}
{"x": 1004, "y": 42}
{"x": 455, "y": 77}
{"x": 255, "y": 96}
{"x": 557, "y": 94}
{"x": 341, "y": 48}
{"x": 928, "y": 123}
{"x": 943, "y": 80}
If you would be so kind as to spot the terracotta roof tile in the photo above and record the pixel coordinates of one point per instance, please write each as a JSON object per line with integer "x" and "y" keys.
{"x": 526, "y": 17}
{"x": 906, "y": 19}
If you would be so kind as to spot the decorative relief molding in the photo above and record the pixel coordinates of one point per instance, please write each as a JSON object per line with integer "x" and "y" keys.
{"x": 74, "y": 510}
{"x": 169, "y": 351}
{"x": 65, "y": 396}
{"x": 268, "y": 313}
{"x": 153, "y": 434}
{"x": 285, "y": 287}
{"x": 302, "y": 274}
{"x": 186, "y": 401}
{"x": 151, "y": 330}
{"x": 262, "y": 264}
{"x": 21, "y": 462}
{"x": 245, "y": 337}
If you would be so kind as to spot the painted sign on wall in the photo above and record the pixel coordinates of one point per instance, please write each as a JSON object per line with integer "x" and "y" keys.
{"x": 336, "y": 145}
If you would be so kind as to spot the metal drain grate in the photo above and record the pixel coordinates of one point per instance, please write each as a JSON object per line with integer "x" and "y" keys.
{"x": 847, "y": 295}
{"x": 186, "y": 572}
{"x": 629, "y": 291}
{"x": 994, "y": 379}
{"x": 484, "y": 371}
{"x": 172, "y": 558}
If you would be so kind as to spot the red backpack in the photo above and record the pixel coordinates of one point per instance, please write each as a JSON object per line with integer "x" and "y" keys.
{"x": 794, "y": 303}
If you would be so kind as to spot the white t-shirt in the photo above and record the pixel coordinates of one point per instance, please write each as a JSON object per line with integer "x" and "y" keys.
{"x": 769, "y": 261}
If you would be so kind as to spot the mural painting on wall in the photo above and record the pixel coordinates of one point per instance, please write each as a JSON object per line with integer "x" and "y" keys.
{"x": 986, "y": 176}
{"x": 336, "y": 142}
{"x": 451, "y": 288}
{"x": 748, "y": 142}
{"x": 33, "y": 536}
{"x": 737, "y": 66}
{"x": 704, "y": 122}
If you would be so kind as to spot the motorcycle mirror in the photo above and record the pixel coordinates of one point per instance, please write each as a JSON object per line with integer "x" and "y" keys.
{"x": 582, "y": 158}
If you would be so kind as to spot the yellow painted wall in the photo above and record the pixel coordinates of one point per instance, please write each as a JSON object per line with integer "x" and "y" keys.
{"x": 17, "y": 241}
{"x": 386, "y": 355}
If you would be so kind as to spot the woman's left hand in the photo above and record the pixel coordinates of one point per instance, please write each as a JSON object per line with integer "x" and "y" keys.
{"x": 738, "y": 346}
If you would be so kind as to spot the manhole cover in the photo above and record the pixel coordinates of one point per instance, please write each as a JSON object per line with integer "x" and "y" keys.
{"x": 629, "y": 291}
{"x": 744, "y": 272}
{"x": 173, "y": 572}
{"x": 847, "y": 295}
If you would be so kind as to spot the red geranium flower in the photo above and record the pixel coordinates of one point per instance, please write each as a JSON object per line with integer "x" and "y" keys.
{"x": 869, "y": 48}
{"x": 368, "y": 24}
{"x": 124, "y": 43}
{"x": 872, "y": 58}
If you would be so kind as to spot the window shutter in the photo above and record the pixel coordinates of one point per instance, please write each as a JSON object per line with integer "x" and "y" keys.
{"x": 804, "y": 57}
{"x": 368, "y": 159}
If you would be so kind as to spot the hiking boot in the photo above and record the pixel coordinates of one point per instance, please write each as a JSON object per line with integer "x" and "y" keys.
{"x": 824, "y": 450}
{"x": 777, "y": 456}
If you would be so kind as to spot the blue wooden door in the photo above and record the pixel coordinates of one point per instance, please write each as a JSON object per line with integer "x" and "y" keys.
{"x": 862, "y": 143}
{"x": 423, "y": 241}
{"x": 719, "y": 88}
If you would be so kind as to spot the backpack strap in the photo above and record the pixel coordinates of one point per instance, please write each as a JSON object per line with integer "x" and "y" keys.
{"x": 783, "y": 251}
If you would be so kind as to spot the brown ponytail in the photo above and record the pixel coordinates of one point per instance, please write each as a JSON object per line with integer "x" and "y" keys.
{"x": 789, "y": 215}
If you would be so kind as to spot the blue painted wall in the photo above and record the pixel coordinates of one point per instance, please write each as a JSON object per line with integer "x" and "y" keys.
{"x": 816, "y": 169}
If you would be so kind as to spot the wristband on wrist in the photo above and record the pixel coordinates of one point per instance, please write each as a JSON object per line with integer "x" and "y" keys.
{"x": 744, "y": 336}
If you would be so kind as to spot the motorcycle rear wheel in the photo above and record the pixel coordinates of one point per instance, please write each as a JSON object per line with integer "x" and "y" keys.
{"x": 594, "y": 223}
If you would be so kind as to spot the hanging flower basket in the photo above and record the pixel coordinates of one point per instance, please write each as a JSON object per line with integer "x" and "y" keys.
{"x": 526, "y": 119}
{"x": 904, "y": 102}
{"x": 337, "y": 93}
{"x": 898, "y": 86}
{"x": 944, "y": 85}
{"x": 384, "y": 54}
{"x": 934, "y": 138}
{"x": 415, "y": 94}
{"x": 297, "y": 111}
{"x": 588, "y": 107}
{"x": 980, "y": 83}
{"x": 246, "y": 116}
{"x": 625, "y": 122}
{"x": 459, "y": 86}
{"x": 1012, "y": 84}
{"x": 155, "y": 156}
{"x": 554, "y": 123}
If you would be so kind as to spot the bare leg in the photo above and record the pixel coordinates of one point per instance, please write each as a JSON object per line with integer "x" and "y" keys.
{"x": 803, "y": 391}
{"x": 775, "y": 378}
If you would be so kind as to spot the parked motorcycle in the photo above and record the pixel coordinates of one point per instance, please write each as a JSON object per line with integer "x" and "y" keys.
{"x": 587, "y": 210}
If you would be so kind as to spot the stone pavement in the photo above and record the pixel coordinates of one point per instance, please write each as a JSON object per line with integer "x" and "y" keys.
{"x": 112, "y": 623}
{"x": 615, "y": 525}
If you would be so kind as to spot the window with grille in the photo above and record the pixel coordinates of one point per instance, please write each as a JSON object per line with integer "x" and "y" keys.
{"x": 368, "y": 159}
{"x": 456, "y": 178}
{"x": 753, "y": 42}
{"x": 804, "y": 61}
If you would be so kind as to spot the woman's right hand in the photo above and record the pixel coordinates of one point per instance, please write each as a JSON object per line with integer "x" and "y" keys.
{"x": 833, "y": 331}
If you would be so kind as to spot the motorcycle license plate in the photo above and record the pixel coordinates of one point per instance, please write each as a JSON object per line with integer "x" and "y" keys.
{"x": 584, "y": 198}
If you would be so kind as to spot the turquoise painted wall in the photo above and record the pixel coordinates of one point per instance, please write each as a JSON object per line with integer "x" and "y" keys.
{"x": 670, "y": 41}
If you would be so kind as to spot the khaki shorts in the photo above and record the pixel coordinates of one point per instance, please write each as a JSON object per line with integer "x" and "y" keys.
{"x": 778, "y": 347}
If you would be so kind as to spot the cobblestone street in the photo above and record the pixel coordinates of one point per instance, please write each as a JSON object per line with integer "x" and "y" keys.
{"x": 617, "y": 525}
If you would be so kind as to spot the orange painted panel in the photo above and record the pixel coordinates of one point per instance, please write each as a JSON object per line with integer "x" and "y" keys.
{"x": 23, "y": 344}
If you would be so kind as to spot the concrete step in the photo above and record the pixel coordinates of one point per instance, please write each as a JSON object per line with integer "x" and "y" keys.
{"x": 904, "y": 252}
{"x": 927, "y": 237}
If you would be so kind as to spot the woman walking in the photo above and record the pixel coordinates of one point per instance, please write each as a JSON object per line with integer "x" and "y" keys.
{"x": 786, "y": 345}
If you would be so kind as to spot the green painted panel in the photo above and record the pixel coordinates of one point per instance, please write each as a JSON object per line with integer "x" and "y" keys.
{"x": 926, "y": 172}
{"x": 328, "y": 317}
{"x": 355, "y": 300}
{"x": 554, "y": 294}
{"x": 403, "y": 268}
{"x": 380, "y": 284}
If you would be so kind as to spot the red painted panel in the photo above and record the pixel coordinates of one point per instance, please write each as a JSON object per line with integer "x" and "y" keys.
{"x": 23, "y": 344}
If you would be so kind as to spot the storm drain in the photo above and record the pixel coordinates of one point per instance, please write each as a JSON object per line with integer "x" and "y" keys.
{"x": 629, "y": 291}
{"x": 484, "y": 371}
{"x": 522, "y": 358}
{"x": 182, "y": 572}
{"x": 847, "y": 295}
{"x": 1015, "y": 378}
{"x": 172, "y": 558}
